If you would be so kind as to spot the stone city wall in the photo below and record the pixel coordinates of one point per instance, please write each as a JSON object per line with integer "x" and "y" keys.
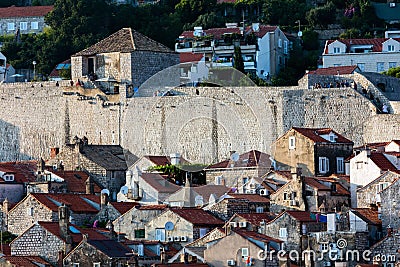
{"x": 203, "y": 127}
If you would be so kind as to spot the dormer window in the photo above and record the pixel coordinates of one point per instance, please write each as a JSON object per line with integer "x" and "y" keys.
{"x": 336, "y": 50}
{"x": 8, "y": 177}
{"x": 390, "y": 48}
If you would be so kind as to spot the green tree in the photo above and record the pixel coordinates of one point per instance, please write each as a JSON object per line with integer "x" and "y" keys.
{"x": 190, "y": 10}
{"x": 322, "y": 16}
{"x": 393, "y": 72}
{"x": 238, "y": 62}
{"x": 284, "y": 12}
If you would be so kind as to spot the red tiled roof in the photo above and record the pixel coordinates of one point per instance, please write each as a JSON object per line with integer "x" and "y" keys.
{"x": 257, "y": 218}
{"x": 301, "y": 216}
{"x": 256, "y": 236}
{"x": 123, "y": 207}
{"x": 77, "y": 202}
{"x": 219, "y": 32}
{"x": 152, "y": 207}
{"x": 263, "y": 30}
{"x": 376, "y": 43}
{"x": 159, "y": 183}
{"x": 197, "y": 216}
{"x": 314, "y": 135}
{"x": 6, "y": 249}
{"x": 206, "y": 190}
{"x": 368, "y": 215}
{"x": 334, "y": 70}
{"x": 372, "y": 145}
{"x": 393, "y": 153}
{"x": 76, "y": 181}
{"x": 54, "y": 228}
{"x": 189, "y": 57}
{"x": 24, "y": 171}
{"x": 26, "y": 11}
{"x": 250, "y": 197}
{"x": 311, "y": 181}
{"x": 26, "y": 261}
{"x": 163, "y": 160}
{"x": 251, "y": 159}
{"x": 382, "y": 162}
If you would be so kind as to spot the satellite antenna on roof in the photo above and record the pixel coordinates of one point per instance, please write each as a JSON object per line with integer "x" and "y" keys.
{"x": 169, "y": 226}
{"x": 105, "y": 191}
{"x": 124, "y": 190}
{"x": 235, "y": 157}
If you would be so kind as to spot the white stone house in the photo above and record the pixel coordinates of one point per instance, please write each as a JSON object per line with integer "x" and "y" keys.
{"x": 265, "y": 49}
{"x": 365, "y": 168}
{"x": 27, "y": 19}
{"x": 370, "y": 55}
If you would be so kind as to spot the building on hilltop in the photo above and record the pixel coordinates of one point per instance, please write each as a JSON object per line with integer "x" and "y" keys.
{"x": 317, "y": 151}
{"x": 265, "y": 49}
{"x": 370, "y": 55}
{"x": 126, "y": 58}
{"x": 23, "y": 20}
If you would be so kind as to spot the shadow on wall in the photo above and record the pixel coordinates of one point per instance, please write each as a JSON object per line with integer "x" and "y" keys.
{"x": 10, "y": 148}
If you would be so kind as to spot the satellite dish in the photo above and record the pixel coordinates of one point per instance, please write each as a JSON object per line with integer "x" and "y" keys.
{"x": 235, "y": 156}
{"x": 300, "y": 33}
{"x": 105, "y": 191}
{"x": 124, "y": 190}
{"x": 169, "y": 226}
{"x": 198, "y": 200}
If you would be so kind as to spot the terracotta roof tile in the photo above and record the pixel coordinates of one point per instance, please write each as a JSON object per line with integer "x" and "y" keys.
{"x": 250, "y": 197}
{"x": 159, "y": 183}
{"x": 24, "y": 171}
{"x": 368, "y": 215}
{"x": 333, "y": 70}
{"x": 26, "y": 11}
{"x": 123, "y": 207}
{"x": 26, "y": 261}
{"x": 301, "y": 216}
{"x": 54, "y": 228}
{"x": 125, "y": 40}
{"x": 257, "y": 218}
{"x": 197, "y": 217}
{"x": 252, "y": 158}
{"x": 256, "y": 236}
{"x": 376, "y": 43}
{"x": 190, "y": 57}
{"x": 314, "y": 183}
{"x": 76, "y": 181}
{"x": 382, "y": 162}
{"x": 78, "y": 203}
{"x": 163, "y": 160}
{"x": 314, "y": 135}
{"x": 111, "y": 248}
{"x": 152, "y": 207}
{"x": 219, "y": 32}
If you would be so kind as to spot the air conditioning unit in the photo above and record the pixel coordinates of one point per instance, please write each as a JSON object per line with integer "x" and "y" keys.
{"x": 293, "y": 203}
{"x": 183, "y": 238}
{"x": 233, "y": 224}
{"x": 263, "y": 192}
{"x": 170, "y": 239}
{"x": 327, "y": 263}
{"x": 177, "y": 238}
{"x": 392, "y": 4}
{"x": 231, "y": 262}
{"x": 242, "y": 224}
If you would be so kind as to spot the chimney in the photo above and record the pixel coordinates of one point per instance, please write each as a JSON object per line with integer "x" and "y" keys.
{"x": 6, "y": 205}
{"x": 296, "y": 172}
{"x": 41, "y": 165}
{"x": 175, "y": 158}
{"x": 103, "y": 200}
{"x": 89, "y": 186}
{"x": 54, "y": 152}
{"x": 162, "y": 255}
{"x": 63, "y": 220}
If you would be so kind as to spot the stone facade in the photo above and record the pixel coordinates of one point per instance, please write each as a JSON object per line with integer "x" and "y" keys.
{"x": 155, "y": 131}
{"x": 86, "y": 254}
{"x": 296, "y": 231}
{"x": 388, "y": 247}
{"x": 26, "y": 213}
{"x": 230, "y": 247}
{"x": 369, "y": 194}
{"x": 132, "y": 223}
{"x": 234, "y": 177}
{"x": 37, "y": 241}
{"x": 390, "y": 206}
{"x": 227, "y": 207}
